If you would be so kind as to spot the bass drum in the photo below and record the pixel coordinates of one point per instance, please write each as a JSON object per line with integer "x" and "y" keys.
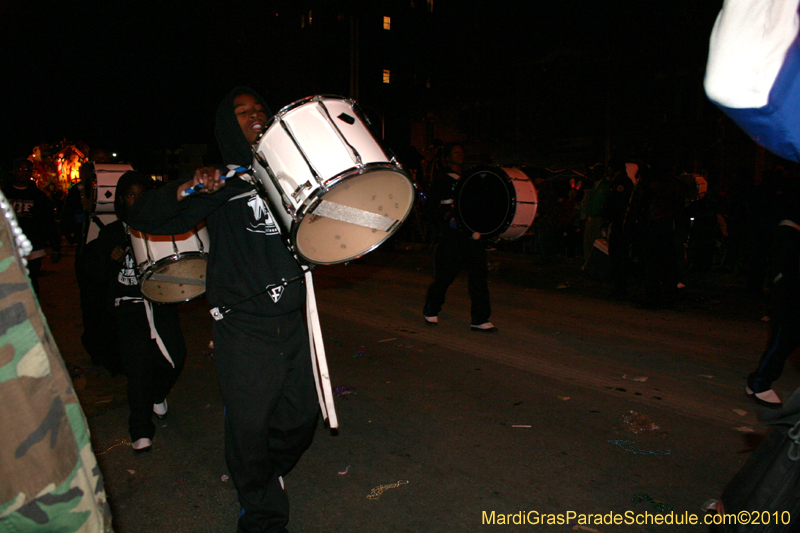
{"x": 499, "y": 203}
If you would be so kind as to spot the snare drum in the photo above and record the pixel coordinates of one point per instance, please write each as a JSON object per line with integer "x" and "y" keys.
{"x": 332, "y": 188}
{"x": 172, "y": 268}
{"x": 498, "y": 203}
{"x": 105, "y": 188}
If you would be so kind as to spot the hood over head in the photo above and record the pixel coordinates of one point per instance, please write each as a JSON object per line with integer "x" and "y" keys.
{"x": 125, "y": 182}
{"x": 233, "y": 145}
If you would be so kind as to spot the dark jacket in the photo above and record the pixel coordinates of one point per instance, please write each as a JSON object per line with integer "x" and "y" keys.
{"x": 247, "y": 251}
{"x": 35, "y": 216}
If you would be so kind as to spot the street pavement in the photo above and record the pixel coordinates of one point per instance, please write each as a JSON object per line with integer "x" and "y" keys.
{"x": 580, "y": 404}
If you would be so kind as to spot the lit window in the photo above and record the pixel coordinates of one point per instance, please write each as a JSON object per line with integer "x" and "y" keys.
{"x": 430, "y": 6}
{"x": 387, "y": 23}
{"x": 387, "y": 75}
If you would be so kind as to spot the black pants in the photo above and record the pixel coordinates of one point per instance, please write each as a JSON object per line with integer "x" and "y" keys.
{"x": 660, "y": 263}
{"x": 150, "y": 376}
{"x": 271, "y": 409}
{"x": 457, "y": 251}
{"x": 619, "y": 256}
{"x": 784, "y": 335}
{"x": 99, "y": 337}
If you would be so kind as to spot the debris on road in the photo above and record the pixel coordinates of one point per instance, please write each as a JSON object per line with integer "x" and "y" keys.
{"x": 640, "y": 379}
{"x": 375, "y": 493}
{"x": 657, "y": 505}
{"x": 341, "y": 392}
{"x": 628, "y": 446}
{"x": 638, "y": 423}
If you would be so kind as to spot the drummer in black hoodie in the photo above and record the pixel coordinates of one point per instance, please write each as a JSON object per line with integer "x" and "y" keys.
{"x": 151, "y": 347}
{"x": 260, "y": 338}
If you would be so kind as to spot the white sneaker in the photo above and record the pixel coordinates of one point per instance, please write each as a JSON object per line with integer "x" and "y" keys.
{"x": 142, "y": 445}
{"x": 486, "y": 327}
{"x": 768, "y": 398}
{"x": 160, "y": 409}
{"x": 432, "y": 320}
{"x": 280, "y": 478}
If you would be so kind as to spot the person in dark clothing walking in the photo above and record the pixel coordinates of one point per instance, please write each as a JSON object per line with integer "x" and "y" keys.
{"x": 620, "y": 232}
{"x": 36, "y": 218}
{"x": 656, "y": 207}
{"x": 784, "y": 337}
{"x": 261, "y": 344}
{"x": 150, "y": 342}
{"x": 456, "y": 249}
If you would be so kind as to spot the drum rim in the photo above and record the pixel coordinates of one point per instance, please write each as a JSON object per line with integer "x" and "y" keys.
{"x": 314, "y": 199}
{"x": 282, "y": 112}
{"x": 502, "y": 228}
{"x": 145, "y": 276}
{"x": 146, "y": 273}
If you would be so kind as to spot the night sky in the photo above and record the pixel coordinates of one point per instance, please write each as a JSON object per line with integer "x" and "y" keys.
{"x": 138, "y": 76}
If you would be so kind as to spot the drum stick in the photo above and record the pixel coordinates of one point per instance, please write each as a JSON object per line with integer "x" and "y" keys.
{"x": 233, "y": 171}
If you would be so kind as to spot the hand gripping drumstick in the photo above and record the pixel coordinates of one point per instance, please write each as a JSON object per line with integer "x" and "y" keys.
{"x": 233, "y": 171}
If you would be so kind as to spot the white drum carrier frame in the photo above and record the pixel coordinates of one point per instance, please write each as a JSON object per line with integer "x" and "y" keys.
{"x": 332, "y": 188}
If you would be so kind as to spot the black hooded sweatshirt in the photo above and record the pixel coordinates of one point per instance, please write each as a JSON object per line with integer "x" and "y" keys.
{"x": 118, "y": 277}
{"x": 247, "y": 252}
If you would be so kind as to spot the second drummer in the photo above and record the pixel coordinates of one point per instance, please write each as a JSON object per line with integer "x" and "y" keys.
{"x": 151, "y": 346}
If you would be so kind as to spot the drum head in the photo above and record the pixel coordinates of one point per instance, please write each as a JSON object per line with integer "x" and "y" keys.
{"x": 355, "y": 216}
{"x": 484, "y": 201}
{"x": 171, "y": 281}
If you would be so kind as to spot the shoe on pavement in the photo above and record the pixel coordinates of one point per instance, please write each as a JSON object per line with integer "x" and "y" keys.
{"x": 142, "y": 446}
{"x": 486, "y": 327}
{"x": 768, "y": 398}
{"x": 160, "y": 409}
{"x": 431, "y": 320}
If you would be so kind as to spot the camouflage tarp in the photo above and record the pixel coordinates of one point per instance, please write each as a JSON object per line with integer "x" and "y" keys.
{"x": 49, "y": 477}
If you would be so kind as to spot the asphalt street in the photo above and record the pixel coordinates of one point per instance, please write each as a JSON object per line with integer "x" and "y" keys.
{"x": 579, "y": 405}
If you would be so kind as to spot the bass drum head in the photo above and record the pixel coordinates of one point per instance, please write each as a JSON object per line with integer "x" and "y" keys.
{"x": 484, "y": 201}
{"x": 384, "y": 191}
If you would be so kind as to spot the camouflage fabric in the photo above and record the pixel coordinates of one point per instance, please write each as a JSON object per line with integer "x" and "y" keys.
{"x": 50, "y": 478}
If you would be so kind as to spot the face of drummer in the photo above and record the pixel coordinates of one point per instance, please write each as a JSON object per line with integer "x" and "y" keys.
{"x": 133, "y": 194}
{"x": 251, "y": 115}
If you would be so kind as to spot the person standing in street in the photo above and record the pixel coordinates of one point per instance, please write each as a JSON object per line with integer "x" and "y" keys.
{"x": 455, "y": 249}
{"x": 150, "y": 342}
{"x": 36, "y": 218}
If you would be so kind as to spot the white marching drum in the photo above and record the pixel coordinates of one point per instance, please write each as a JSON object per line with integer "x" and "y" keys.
{"x": 331, "y": 187}
{"x": 172, "y": 267}
{"x": 498, "y": 203}
{"x": 105, "y": 189}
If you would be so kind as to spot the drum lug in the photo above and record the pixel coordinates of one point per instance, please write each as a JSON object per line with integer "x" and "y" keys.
{"x": 299, "y": 189}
